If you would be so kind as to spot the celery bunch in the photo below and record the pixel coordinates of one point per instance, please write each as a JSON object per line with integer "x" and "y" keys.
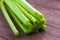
{"x": 27, "y": 18}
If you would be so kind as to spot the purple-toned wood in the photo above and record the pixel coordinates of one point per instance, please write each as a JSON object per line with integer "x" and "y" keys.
{"x": 51, "y": 10}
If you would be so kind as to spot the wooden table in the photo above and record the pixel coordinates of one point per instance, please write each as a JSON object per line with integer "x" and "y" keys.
{"x": 51, "y": 10}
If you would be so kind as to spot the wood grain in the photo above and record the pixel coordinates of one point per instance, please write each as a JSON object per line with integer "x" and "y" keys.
{"x": 51, "y": 11}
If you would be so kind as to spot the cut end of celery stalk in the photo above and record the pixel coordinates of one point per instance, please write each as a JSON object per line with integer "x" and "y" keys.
{"x": 38, "y": 14}
{"x": 40, "y": 17}
{"x": 16, "y": 33}
{"x": 43, "y": 27}
{"x": 43, "y": 21}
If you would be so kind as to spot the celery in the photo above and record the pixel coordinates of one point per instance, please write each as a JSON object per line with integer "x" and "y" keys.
{"x": 35, "y": 21}
{"x": 39, "y": 16}
{"x": 23, "y": 27}
{"x": 43, "y": 21}
{"x": 26, "y": 17}
{"x": 30, "y": 9}
{"x": 43, "y": 27}
{"x": 15, "y": 31}
{"x": 18, "y": 13}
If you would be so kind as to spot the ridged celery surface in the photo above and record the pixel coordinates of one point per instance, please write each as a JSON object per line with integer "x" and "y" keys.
{"x": 15, "y": 31}
{"x": 22, "y": 26}
{"x": 31, "y": 10}
{"x": 18, "y": 13}
{"x": 33, "y": 20}
{"x": 39, "y": 16}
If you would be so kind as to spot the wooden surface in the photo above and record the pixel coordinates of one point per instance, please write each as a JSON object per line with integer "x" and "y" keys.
{"x": 51, "y": 10}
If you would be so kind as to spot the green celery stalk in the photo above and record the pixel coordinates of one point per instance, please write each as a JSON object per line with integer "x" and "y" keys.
{"x": 43, "y": 27}
{"x": 18, "y": 13}
{"x": 43, "y": 20}
{"x": 15, "y": 31}
{"x": 22, "y": 26}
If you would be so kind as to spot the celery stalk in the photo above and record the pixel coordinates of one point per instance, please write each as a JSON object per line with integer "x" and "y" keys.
{"x": 15, "y": 31}
{"x": 43, "y": 21}
{"x": 43, "y": 27}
